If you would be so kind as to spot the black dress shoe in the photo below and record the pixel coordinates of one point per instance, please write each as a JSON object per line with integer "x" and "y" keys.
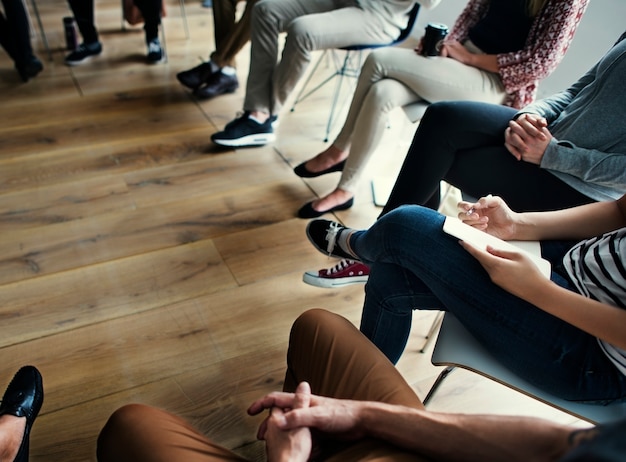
{"x": 23, "y": 398}
{"x": 29, "y": 69}
{"x": 196, "y": 76}
{"x": 304, "y": 172}
{"x": 307, "y": 210}
{"x": 217, "y": 84}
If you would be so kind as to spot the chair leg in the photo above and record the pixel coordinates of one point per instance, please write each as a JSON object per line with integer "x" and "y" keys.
{"x": 440, "y": 378}
{"x": 41, "y": 31}
{"x": 431, "y": 332}
{"x": 183, "y": 14}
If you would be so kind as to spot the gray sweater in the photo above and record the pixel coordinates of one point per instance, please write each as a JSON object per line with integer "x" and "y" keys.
{"x": 588, "y": 123}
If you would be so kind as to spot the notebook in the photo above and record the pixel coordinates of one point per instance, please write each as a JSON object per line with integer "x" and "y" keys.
{"x": 480, "y": 239}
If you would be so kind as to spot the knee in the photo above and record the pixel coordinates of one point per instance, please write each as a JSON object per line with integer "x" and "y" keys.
{"x": 121, "y": 424}
{"x": 309, "y": 321}
{"x": 381, "y": 95}
{"x": 449, "y": 114}
{"x": 299, "y": 34}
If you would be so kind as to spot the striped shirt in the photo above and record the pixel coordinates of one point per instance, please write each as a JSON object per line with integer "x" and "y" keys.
{"x": 598, "y": 271}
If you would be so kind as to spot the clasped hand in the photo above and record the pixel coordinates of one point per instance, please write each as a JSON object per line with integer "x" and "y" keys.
{"x": 527, "y": 138}
{"x": 286, "y": 430}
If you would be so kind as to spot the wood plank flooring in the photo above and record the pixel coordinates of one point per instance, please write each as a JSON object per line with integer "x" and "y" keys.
{"x": 139, "y": 263}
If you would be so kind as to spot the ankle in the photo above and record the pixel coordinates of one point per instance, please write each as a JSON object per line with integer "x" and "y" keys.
{"x": 259, "y": 116}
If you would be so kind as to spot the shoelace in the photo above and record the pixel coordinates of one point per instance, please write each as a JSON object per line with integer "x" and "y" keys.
{"x": 331, "y": 236}
{"x": 343, "y": 264}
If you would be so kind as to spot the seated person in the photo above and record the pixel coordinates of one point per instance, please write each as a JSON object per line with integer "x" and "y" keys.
{"x": 20, "y": 406}
{"x": 565, "y": 334}
{"x": 497, "y": 52}
{"x": 565, "y": 150}
{"x": 15, "y": 39}
{"x": 310, "y": 26}
{"x": 362, "y": 409}
{"x": 218, "y": 75}
{"x": 83, "y": 11}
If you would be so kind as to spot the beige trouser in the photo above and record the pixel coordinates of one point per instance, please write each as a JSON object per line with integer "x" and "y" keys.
{"x": 310, "y": 25}
{"x": 395, "y": 77}
{"x": 325, "y": 350}
{"x": 230, "y": 35}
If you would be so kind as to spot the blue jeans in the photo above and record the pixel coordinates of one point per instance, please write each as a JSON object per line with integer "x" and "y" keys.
{"x": 414, "y": 264}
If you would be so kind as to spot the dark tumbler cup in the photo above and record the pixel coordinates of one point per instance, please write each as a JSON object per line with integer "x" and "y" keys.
{"x": 71, "y": 38}
{"x": 433, "y": 39}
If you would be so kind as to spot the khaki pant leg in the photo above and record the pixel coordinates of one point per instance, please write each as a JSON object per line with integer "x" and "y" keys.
{"x": 136, "y": 432}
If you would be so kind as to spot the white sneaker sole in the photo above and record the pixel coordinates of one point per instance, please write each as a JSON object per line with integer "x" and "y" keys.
{"x": 313, "y": 279}
{"x": 258, "y": 139}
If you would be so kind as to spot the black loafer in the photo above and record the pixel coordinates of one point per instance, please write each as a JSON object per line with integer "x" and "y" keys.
{"x": 304, "y": 172}
{"x": 196, "y": 76}
{"x": 23, "y": 398}
{"x": 307, "y": 210}
{"x": 217, "y": 84}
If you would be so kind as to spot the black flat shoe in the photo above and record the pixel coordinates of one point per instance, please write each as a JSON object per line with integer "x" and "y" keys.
{"x": 23, "y": 398}
{"x": 307, "y": 210}
{"x": 304, "y": 172}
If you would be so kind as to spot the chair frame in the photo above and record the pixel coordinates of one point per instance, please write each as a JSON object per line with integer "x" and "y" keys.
{"x": 457, "y": 348}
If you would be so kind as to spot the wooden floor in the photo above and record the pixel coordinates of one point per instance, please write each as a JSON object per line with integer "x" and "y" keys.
{"x": 138, "y": 263}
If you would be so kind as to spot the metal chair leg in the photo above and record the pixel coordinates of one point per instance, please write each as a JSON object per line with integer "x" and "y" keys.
{"x": 41, "y": 31}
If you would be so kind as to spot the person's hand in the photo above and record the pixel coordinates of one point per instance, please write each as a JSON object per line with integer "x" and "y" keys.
{"x": 455, "y": 50}
{"x": 420, "y": 46}
{"x": 512, "y": 271}
{"x": 490, "y": 214}
{"x": 282, "y": 444}
{"x": 527, "y": 138}
{"x": 337, "y": 416}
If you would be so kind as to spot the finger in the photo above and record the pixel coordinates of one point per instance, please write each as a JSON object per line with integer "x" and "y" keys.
{"x": 303, "y": 396}
{"x": 278, "y": 399}
{"x": 260, "y": 434}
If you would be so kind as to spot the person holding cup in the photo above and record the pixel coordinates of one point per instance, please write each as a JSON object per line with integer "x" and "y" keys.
{"x": 497, "y": 52}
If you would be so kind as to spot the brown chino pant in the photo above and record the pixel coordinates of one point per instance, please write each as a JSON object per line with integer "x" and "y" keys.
{"x": 325, "y": 350}
{"x": 230, "y": 36}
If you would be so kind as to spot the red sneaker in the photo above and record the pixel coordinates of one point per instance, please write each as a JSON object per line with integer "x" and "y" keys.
{"x": 344, "y": 273}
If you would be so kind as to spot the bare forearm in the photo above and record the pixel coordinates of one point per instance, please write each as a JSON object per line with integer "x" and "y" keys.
{"x": 460, "y": 437}
{"x": 575, "y": 223}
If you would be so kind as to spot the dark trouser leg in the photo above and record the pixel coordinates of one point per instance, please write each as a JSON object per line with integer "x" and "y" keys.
{"x": 83, "y": 11}
{"x": 151, "y": 12}
{"x": 14, "y": 32}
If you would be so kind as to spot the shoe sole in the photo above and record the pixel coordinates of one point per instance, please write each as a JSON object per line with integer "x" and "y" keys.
{"x": 225, "y": 91}
{"x": 259, "y": 139}
{"x": 82, "y": 61}
{"x": 328, "y": 283}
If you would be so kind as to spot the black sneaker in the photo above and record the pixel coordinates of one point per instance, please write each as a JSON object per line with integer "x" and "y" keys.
{"x": 196, "y": 76}
{"x": 217, "y": 84}
{"x": 83, "y": 53}
{"x": 244, "y": 131}
{"x": 155, "y": 52}
{"x": 323, "y": 234}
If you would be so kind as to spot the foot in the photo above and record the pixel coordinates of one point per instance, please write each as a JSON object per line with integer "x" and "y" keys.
{"x": 217, "y": 84}
{"x": 245, "y": 131}
{"x": 331, "y": 238}
{"x": 12, "y": 430}
{"x": 29, "y": 69}
{"x": 307, "y": 210}
{"x": 195, "y": 77}
{"x": 344, "y": 273}
{"x": 336, "y": 198}
{"x": 83, "y": 53}
{"x": 155, "y": 52}
{"x": 23, "y": 398}
{"x": 325, "y": 161}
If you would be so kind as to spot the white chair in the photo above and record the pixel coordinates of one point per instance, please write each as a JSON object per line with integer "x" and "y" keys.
{"x": 456, "y": 347}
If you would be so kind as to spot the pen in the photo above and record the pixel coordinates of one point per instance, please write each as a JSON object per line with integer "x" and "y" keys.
{"x": 470, "y": 211}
